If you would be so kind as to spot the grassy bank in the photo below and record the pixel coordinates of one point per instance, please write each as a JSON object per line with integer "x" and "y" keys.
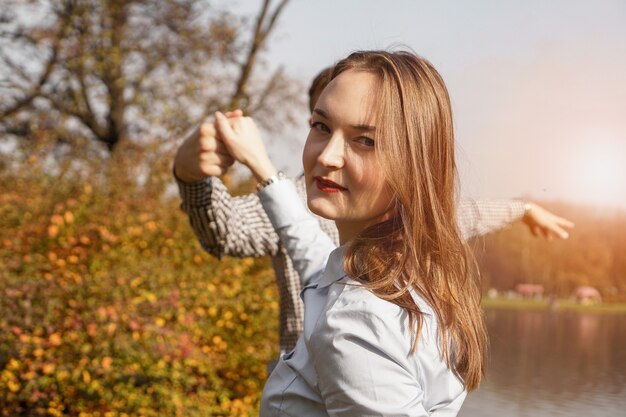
{"x": 559, "y": 305}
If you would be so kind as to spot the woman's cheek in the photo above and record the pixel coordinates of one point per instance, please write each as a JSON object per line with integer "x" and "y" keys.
{"x": 308, "y": 158}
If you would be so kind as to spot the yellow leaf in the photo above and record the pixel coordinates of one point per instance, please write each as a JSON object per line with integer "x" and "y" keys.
{"x": 55, "y": 339}
{"x": 53, "y": 231}
{"x": 13, "y": 364}
{"x": 106, "y": 362}
{"x": 48, "y": 368}
{"x": 13, "y": 386}
{"x": 56, "y": 219}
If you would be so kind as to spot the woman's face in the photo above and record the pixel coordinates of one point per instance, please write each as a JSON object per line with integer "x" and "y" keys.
{"x": 344, "y": 180}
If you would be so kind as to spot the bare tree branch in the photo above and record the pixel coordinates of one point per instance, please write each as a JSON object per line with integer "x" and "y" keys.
{"x": 261, "y": 31}
{"x": 36, "y": 90}
{"x": 274, "y": 17}
{"x": 270, "y": 86}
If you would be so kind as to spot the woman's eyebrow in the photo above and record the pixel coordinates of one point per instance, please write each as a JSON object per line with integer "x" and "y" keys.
{"x": 365, "y": 127}
{"x": 320, "y": 112}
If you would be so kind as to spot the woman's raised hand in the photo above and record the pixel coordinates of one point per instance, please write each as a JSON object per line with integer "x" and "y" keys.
{"x": 243, "y": 141}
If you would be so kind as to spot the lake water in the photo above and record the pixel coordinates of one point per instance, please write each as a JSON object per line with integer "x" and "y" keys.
{"x": 552, "y": 364}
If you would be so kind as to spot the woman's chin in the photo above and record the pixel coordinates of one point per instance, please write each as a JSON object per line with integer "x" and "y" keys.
{"x": 322, "y": 208}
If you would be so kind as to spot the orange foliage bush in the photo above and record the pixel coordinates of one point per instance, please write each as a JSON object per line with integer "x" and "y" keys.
{"x": 108, "y": 307}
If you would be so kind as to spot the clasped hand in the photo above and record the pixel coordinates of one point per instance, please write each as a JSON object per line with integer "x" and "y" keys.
{"x": 214, "y": 146}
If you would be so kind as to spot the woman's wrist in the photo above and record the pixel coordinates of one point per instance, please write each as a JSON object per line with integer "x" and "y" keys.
{"x": 271, "y": 180}
{"x": 263, "y": 170}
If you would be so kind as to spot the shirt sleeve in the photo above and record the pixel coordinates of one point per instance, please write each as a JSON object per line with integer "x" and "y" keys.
{"x": 480, "y": 217}
{"x": 299, "y": 232}
{"x": 227, "y": 225}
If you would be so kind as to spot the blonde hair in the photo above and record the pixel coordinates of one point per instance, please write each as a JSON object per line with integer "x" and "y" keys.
{"x": 420, "y": 249}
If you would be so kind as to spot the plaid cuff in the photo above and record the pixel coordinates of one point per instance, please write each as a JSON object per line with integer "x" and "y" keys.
{"x": 518, "y": 209}
{"x": 195, "y": 194}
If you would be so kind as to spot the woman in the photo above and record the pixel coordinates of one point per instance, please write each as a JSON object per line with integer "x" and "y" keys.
{"x": 393, "y": 324}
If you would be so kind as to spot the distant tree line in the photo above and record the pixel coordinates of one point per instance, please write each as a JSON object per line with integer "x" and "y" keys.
{"x": 592, "y": 256}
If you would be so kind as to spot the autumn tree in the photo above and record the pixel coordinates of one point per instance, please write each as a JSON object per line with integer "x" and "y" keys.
{"x": 130, "y": 74}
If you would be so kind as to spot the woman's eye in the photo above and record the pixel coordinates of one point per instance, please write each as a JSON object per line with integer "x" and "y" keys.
{"x": 364, "y": 140}
{"x": 319, "y": 126}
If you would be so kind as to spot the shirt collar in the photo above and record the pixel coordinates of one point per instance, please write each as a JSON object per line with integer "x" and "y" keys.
{"x": 334, "y": 268}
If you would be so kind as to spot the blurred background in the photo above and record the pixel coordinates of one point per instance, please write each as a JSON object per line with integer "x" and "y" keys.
{"x": 108, "y": 305}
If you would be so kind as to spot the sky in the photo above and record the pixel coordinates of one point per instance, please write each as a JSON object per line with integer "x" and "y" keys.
{"x": 538, "y": 87}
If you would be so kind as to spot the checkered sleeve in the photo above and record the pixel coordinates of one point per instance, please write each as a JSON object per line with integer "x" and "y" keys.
{"x": 479, "y": 217}
{"x": 227, "y": 225}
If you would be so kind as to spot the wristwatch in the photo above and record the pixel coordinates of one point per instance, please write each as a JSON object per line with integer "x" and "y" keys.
{"x": 271, "y": 180}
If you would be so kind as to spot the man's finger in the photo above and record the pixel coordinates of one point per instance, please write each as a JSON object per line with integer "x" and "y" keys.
{"x": 213, "y": 170}
{"x": 535, "y": 230}
{"x": 208, "y": 143}
{"x": 565, "y": 223}
{"x": 562, "y": 233}
{"x": 207, "y": 129}
{"x": 214, "y": 158}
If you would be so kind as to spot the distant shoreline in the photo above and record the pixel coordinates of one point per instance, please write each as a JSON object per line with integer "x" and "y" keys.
{"x": 559, "y": 305}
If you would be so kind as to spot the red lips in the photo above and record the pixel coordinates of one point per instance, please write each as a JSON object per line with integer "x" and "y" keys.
{"x": 328, "y": 186}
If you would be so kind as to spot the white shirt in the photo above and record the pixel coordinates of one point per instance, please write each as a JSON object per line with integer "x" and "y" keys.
{"x": 353, "y": 358}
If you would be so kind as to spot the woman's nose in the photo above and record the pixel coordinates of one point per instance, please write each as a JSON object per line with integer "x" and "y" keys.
{"x": 332, "y": 155}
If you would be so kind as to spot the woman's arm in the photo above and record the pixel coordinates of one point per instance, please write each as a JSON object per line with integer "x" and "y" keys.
{"x": 300, "y": 233}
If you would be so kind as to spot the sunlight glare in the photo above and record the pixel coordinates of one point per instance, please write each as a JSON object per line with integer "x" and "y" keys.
{"x": 603, "y": 176}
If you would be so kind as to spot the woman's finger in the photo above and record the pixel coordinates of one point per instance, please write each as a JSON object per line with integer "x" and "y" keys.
{"x": 224, "y": 128}
{"x": 234, "y": 114}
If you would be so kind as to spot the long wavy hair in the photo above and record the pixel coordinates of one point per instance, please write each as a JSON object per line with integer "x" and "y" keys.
{"x": 420, "y": 248}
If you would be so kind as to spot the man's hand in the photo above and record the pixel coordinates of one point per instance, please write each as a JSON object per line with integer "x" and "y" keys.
{"x": 541, "y": 222}
{"x": 202, "y": 154}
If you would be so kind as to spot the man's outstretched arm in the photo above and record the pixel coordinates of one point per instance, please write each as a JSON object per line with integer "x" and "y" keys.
{"x": 479, "y": 217}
